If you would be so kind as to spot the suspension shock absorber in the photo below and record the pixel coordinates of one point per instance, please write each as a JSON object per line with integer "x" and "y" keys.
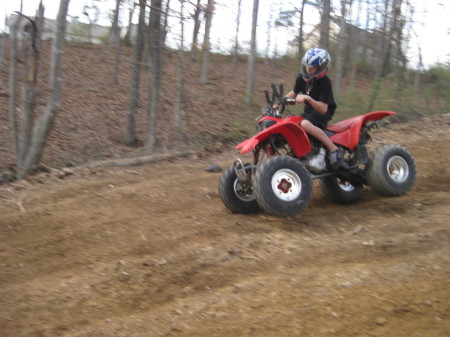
{"x": 268, "y": 148}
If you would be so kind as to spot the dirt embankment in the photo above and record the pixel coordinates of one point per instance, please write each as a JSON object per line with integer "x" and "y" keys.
{"x": 152, "y": 251}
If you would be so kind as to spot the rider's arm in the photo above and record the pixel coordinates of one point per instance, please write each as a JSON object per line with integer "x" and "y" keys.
{"x": 319, "y": 106}
{"x": 291, "y": 94}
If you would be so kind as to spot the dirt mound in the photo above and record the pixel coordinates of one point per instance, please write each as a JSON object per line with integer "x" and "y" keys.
{"x": 152, "y": 251}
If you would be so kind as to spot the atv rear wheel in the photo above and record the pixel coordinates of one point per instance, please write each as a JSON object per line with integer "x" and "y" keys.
{"x": 340, "y": 191}
{"x": 234, "y": 195}
{"x": 391, "y": 170}
{"x": 283, "y": 186}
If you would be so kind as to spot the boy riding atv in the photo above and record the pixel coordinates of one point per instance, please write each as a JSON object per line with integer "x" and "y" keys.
{"x": 313, "y": 88}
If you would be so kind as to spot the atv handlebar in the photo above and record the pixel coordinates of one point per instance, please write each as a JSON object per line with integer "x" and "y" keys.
{"x": 277, "y": 103}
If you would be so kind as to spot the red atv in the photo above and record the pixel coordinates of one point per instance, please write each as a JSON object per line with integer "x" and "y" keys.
{"x": 286, "y": 159}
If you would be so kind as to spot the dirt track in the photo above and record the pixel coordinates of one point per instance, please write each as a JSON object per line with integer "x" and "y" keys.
{"x": 152, "y": 251}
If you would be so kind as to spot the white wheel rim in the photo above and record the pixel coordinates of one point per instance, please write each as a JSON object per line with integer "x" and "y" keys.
{"x": 398, "y": 169}
{"x": 286, "y": 185}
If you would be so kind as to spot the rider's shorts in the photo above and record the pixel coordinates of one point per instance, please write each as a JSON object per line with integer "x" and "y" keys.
{"x": 318, "y": 119}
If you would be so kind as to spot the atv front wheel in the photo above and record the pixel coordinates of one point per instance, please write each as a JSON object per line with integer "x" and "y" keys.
{"x": 391, "y": 170}
{"x": 234, "y": 195}
{"x": 283, "y": 186}
{"x": 340, "y": 191}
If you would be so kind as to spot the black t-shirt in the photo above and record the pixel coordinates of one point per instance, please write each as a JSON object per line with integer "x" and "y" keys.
{"x": 320, "y": 90}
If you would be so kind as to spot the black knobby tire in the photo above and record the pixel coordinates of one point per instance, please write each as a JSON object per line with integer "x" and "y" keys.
{"x": 233, "y": 196}
{"x": 283, "y": 186}
{"x": 391, "y": 170}
{"x": 340, "y": 191}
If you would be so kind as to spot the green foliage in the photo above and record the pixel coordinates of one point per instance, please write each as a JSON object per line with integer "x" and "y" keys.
{"x": 438, "y": 78}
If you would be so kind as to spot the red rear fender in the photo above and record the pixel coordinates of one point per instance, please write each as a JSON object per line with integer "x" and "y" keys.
{"x": 347, "y": 131}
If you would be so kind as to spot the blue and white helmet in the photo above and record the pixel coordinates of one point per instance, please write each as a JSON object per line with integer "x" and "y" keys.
{"x": 316, "y": 57}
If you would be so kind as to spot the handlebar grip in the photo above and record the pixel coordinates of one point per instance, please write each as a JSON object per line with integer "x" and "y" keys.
{"x": 290, "y": 101}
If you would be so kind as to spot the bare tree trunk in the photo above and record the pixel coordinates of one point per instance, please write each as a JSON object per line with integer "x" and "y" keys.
{"x": 155, "y": 71}
{"x": 355, "y": 41}
{"x": 2, "y": 49}
{"x": 116, "y": 59}
{"x": 269, "y": 31}
{"x": 206, "y": 43}
{"x": 384, "y": 66}
{"x": 252, "y": 56}
{"x": 130, "y": 135}
{"x": 45, "y": 121}
{"x": 13, "y": 86}
{"x": 396, "y": 9}
{"x": 180, "y": 84}
{"x": 28, "y": 104}
{"x": 301, "y": 50}
{"x": 197, "y": 23}
{"x": 115, "y": 24}
{"x": 341, "y": 47}
{"x": 127, "y": 37}
{"x": 365, "y": 43}
{"x": 400, "y": 58}
{"x": 324, "y": 41}
{"x": 91, "y": 12}
{"x": 418, "y": 73}
{"x": 236, "y": 37}
{"x": 166, "y": 23}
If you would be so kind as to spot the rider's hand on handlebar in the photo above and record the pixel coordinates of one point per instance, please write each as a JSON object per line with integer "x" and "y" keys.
{"x": 301, "y": 99}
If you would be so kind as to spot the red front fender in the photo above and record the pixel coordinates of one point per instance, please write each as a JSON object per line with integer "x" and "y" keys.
{"x": 289, "y": 128}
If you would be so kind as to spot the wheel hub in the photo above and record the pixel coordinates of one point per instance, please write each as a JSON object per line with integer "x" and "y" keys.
{"x": 398, "y": 169}
{"x": 242, "y": 193}
{"x": 286, "y": 184}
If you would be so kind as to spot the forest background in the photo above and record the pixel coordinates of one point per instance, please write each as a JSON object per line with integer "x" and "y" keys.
{"x": 168, "y": 85}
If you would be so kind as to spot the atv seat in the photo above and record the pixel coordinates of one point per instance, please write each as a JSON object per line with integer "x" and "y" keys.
{"x": 343, "y": 125}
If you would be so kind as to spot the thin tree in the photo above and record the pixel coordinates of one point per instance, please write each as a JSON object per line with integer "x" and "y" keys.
{"x": 252, "y": 56}
{"x": 180, "y": 81}
{"x": 301, "y": 49}
{"x": 92, "y": 13}
{"x": 341, "y": 47}
{"x": 115, "y": 39}
{"x": 206, "y": 43}
{"x": 2, "y": 48}
{"x": 197, "y": 22}
{"x": 166, "y": 23}
{"x": 13, "y": 86}
{"x": 155, "y": 71}
{"x": 324, "y": 41}
{"x": 389, "y": 26}
{"x": 31, "y": 61}
{"x": 131, "y": 7}
{"x": 130, "y": 135}
{"x": 236, "y": 36}
{"x": 269, "y": 31}
{"x": 355, "y": 41}
{"x": 115, "y": 24}
{"x": 45, "y": 122}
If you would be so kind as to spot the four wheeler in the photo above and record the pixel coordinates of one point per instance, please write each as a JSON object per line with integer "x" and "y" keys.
{"x": 286, "y": 160}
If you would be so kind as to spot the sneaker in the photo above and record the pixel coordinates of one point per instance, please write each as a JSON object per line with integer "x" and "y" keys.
{"x": 335, "y": 158}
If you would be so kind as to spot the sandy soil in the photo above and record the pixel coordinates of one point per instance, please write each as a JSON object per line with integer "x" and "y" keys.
{"x": 152, "y": 251}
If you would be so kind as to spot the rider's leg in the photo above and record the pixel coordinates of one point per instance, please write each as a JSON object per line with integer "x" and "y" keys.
{"x": 318, "y": 134}
{"x": 336, "y": 155}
